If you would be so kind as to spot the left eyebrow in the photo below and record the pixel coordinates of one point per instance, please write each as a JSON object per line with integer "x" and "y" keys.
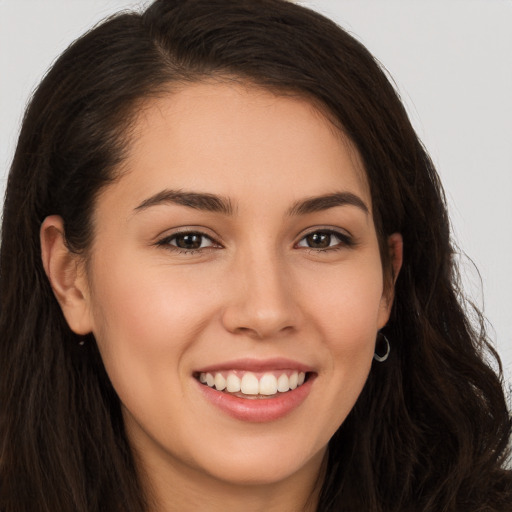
{"x": 196, "y": 200}
{"x": 320, "y": 203}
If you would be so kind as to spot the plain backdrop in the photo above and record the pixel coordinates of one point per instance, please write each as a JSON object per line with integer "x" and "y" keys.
{"x": 451, "y": 61}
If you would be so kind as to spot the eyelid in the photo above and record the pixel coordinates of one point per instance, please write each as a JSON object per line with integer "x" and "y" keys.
{"x": 180, "y": 230}
{"x": 325, "y": 229}
{"x": 345, "y": 237}
{"x": 163, "y": 240}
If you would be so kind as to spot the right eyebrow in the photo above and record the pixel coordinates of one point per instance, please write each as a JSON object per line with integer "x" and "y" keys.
{"x": 197, "y": 200}
{"x": 320, "y": 203}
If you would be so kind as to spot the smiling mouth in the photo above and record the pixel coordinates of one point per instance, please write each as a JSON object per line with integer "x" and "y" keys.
{"x": 254, "y": 385}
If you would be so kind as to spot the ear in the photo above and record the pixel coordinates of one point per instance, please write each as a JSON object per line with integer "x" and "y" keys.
{"x": 396, "y": 253}
{"x": 396, "y": 250}
{"x": 65, "y": 271}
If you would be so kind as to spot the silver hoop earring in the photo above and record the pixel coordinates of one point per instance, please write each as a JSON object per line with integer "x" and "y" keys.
{"x": 382, "y": 358}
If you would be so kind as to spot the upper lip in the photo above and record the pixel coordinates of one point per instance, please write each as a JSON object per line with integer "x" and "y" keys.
{"x": 257, "y": 365}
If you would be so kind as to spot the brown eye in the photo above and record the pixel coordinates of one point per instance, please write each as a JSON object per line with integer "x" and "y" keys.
{"x": 188, "y": 241}
{"x": 318, "y": 240}
{"x": 323, "y": 240}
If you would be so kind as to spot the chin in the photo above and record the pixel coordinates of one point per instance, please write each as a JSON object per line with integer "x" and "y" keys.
{"x": 257, "y": 466}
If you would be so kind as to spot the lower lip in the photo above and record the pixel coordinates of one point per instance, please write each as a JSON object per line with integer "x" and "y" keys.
{"x": 258, "y": 410}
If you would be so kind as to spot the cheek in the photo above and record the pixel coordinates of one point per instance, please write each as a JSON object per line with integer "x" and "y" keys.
{"x": 144, "y": 319}
{"x": 344, "y": 306}
{"x": 347, "y": 301}
{"x": 146, "y": 305}
{"x": 347, "y": 306}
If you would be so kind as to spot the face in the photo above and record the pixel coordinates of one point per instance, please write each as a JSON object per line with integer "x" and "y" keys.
{"x": 234, "y": 285}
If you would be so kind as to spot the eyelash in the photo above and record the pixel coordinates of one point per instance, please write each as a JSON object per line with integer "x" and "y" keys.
{"x": 344, "y": 241}
{"x": 166, "y": 242}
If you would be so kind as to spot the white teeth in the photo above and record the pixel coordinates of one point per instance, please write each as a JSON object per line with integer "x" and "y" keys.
{"x": 283, "y": 383}
{"x": 233, "y": 383}
{"x": 220, "y": 382}
{"x": 250, "y": 384}
{"x": 268, "y": 384}
{"x": 294, "y": 377}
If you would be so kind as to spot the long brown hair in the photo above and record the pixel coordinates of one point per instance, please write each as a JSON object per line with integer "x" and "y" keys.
{"x": 430, "y": 429}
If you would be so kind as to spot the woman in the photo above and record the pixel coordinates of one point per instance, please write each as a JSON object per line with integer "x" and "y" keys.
{"x": 227, "y": 282}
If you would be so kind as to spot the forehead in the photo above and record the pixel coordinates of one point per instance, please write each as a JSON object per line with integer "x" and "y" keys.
{"x": 212, "y": 135}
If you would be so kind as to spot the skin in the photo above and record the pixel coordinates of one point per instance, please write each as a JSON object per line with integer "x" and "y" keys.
{"x": 254, "y": 289}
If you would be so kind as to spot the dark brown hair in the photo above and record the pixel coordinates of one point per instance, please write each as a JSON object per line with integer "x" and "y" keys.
{"x": 430, "y": 429}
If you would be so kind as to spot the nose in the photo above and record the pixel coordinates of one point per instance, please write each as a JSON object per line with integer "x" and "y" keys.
{"x": 262, "y": 301}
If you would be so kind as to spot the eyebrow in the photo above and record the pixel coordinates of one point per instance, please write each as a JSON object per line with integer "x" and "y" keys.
{"x": 197, "y": 200}
{"x": 218, "y": 204}
{"x": 320, "y": 203}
